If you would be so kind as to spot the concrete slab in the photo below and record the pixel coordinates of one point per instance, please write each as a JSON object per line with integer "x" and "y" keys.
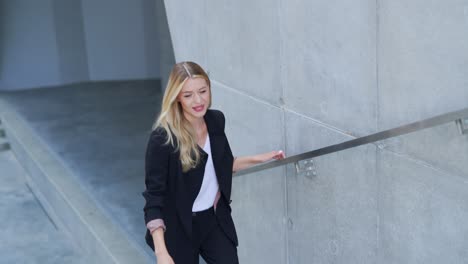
{"x": 423, "y": 213}
{"x": 244, "y": 46}
{"x": 258, "y": 200}
{"x": 346, "y": 68}
{"x": 333, "y": 215}
{"x": 329, "y": 61}
{"x": 187, "y": 33}
{"x": 423, "y": 72}
{"x": 423, "y": 63}
{"x": 443, "y": 147}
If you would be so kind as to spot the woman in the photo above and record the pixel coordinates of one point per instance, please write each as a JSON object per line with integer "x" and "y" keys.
{"x": 189, "y": 166}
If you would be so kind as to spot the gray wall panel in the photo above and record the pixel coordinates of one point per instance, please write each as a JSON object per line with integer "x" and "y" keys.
{"x": 71, "y": 46}
{"x": 329, "y": 60}
{"x": 423, "y": 69}
{"x": 115, "y": 39}
{"x": 29, "y": 55}
{"x": 244, "y": 46}
{"x": 334, "y": 216}
{"x": 151, "y": 38}
{"x": 443, "y": 147}
{"x": 248, "y": 120}
{"x": 423, "y": 213}
{"x": 258, "y": 203}
{"x": 58, "y": 42}
{"x": 188, "y": 30}
{"x": 166, "y": 51}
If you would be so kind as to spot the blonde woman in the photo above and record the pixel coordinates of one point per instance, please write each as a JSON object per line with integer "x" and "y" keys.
{"x": 189, "y": 166}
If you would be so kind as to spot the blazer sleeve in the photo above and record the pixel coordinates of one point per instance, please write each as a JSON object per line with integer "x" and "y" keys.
{"x": 222, "y": 119}
{"x": 156, "y": 174}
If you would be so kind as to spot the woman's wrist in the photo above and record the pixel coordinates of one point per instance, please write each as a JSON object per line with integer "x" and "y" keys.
{"x": 160, "y": 253}
{"x": 159, "y": 243}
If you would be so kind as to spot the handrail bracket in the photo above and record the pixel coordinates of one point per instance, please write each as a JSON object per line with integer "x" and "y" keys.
{"x": 306, "y": 168}
{"x": 462, "y": 126}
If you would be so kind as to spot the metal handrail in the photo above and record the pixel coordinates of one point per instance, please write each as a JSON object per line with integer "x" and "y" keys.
{"x": 456, "y": 116}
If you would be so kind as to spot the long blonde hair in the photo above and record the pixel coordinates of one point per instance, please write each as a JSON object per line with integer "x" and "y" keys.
{"x": 172, "y": 119}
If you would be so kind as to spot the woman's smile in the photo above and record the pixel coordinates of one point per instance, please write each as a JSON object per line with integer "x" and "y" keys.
{"x": 199, "y": 108}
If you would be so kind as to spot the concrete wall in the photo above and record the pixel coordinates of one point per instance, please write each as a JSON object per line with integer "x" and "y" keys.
{"x": 166, "y": 51}
{"x": 71, "y": 42}
{"x": 63, "y": 41}
{"x": 116, "y": 40}
{"x": 313, "y": 73}
{"x": 423, "y": 71}
{"x": 29, "y": 54}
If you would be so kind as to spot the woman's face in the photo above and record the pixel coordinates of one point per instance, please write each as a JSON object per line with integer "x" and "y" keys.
{"x": 194, "y": 98}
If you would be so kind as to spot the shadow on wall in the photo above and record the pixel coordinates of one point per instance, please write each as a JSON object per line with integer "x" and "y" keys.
{"x": 167, "y": 57}
{"x": 2, "y": 24}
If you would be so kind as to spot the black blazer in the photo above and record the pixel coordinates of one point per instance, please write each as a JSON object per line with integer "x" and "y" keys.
{"x": 167, "y": 192}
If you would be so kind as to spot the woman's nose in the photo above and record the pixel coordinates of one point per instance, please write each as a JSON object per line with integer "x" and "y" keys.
{"x": 198, "y": 98}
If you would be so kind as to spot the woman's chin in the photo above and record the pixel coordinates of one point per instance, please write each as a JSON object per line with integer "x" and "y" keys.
{"x": 198, "y": 114}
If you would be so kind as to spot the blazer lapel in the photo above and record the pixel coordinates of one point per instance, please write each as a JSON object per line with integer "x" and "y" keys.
{"x": 217, "y": 142}
{"x": 217, "y": 137}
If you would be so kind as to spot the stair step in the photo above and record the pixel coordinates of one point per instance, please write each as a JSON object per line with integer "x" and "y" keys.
{"x": 68, "y": 205}
{"x": 23, "y": 237}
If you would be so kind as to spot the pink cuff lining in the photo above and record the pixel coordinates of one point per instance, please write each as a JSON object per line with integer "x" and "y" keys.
{"x": 155, "y": 224}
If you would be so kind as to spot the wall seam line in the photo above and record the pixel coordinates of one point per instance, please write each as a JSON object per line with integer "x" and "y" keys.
{"x": 286, "y": 215}
{"x": 427, "y": 165}
{"x": 377, "y": 126}
{"x": 285, "y": 108}
{"x": 337, "y": 130}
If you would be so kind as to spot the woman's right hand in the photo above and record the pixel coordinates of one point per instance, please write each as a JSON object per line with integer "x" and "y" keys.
{"x": 164, "y": 258}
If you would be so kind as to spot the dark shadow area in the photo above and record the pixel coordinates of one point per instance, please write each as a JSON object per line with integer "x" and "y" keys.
{"x": 2, "y": 38}
{"x": 166, "y": 50}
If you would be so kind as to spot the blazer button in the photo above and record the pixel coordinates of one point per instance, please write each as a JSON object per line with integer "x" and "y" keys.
{"x": 230, "y": 201}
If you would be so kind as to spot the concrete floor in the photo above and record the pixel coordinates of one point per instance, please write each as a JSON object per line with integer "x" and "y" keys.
{"x": 28, "y": 235}
{"x": 100, "y": 131}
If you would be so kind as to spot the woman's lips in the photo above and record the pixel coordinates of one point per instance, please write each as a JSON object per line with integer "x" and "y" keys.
{"x": 198, "y": 108}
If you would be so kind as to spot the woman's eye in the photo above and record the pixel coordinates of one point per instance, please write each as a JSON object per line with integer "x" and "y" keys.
{"x": 203, "y": 91}
{"x": 187, "y": 96}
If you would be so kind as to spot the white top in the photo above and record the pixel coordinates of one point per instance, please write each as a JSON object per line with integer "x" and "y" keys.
{"x": 209, "y": 188}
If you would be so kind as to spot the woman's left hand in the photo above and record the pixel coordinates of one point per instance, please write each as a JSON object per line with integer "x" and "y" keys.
{"x": 278, "y": 155}
{"x": 241, "y": 163}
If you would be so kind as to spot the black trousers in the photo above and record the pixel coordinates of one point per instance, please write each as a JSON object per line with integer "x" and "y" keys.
{"x": 210, "y": 241}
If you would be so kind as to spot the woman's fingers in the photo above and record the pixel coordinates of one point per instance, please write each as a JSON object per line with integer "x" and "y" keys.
{"x": 279, "y": 155}
{"x": 272, "y": 155}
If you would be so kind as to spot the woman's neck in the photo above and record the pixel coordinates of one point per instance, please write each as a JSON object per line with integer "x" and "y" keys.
{"x": 197, "y": 123}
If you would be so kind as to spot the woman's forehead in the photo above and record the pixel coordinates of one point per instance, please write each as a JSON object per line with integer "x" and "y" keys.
{"x": 194, "y": 84}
